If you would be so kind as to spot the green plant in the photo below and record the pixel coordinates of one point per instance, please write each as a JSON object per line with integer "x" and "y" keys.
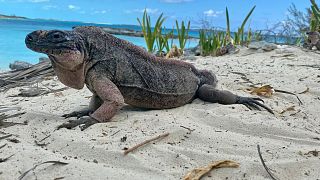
{"x": 228, "y": 26}
{"x": 315, "y": 17}
{"x": 162, "y": 41}
{"x": 211, "y": 42}
{"x": 258, "y": 35}
{"x": 239, "y": 37}
{"x": 146, "y": 28}
{"x": 166, "y": 40}
{"x": 183, "y": 34}
{"x": 240, "y": 40}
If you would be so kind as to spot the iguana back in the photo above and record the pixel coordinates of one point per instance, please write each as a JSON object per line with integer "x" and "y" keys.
{"x": 137, "y": 73}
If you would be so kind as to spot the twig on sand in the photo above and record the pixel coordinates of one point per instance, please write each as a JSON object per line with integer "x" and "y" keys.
{"x": 187, "y": 128}
{"x": 286, "y": 92}
{"x": 42, "y": 144}
{"x": 5, "y": 124}
{"x": 264, "y": 165}
{"x": 45, "y": 138}
{"x": 245, "y": 78}
{"x": 4, "y": 116}
{"x": 145, "y": 142}
{"x": 116, "y": 132}
{"x": 34, "y": 167}
{"x": 3, "y": 146}
{"x": 5, "y": 159}
{"x": 4, "y": 137}
{"x": 311, "y": 66}
{"x": 283, "y": 55}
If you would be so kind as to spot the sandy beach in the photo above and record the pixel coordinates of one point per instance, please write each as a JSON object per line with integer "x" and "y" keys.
{"x": 200, "y": 132}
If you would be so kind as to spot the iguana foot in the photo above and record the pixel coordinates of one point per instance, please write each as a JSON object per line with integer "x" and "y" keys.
{"x": 252, "y": 103}
{"x": 78, "y": 114}
{"x": 84, "y": 123}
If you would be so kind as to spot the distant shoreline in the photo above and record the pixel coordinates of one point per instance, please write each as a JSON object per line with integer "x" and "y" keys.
{"x": 129, "y": 32}
{"x": 2, "y": 16}
{"x": 114, "y": 31}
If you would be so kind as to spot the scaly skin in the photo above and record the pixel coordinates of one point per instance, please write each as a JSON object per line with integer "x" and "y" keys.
{"x": 118, "y": 72}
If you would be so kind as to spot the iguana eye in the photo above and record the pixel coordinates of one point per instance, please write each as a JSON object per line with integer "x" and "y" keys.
{"x": 56, "y": 36}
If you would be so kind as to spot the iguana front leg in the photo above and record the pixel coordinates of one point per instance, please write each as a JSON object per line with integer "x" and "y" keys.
{"x": 112, "y": 101}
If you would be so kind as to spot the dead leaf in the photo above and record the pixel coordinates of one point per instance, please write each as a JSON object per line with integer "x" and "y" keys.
{"x": 197, "y": 173}
{"x": 291, "y": 108}
{"x": 174, "y": 52}
{"x": 265, "y": 91}
{"x": 58, "y": 94}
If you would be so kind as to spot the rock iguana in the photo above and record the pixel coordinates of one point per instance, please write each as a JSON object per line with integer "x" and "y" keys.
{"x": 118, "y": 72}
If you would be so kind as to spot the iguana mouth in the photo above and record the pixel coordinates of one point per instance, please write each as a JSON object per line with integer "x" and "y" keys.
{"x": 51, "y": 50}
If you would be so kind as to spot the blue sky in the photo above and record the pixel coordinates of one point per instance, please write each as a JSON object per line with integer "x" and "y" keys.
{"x": 126, "y": 11}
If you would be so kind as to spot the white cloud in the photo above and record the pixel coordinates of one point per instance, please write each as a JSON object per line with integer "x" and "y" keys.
{"x": 100, "y": 12}
{"x": 212, "y": 13}
{"x": 47, "y": 7}
{"x": 176, "y": 1}
{"x": 73, "y": 7}
{"x": 38, "y": 1}
{"x": 149, "y": 11}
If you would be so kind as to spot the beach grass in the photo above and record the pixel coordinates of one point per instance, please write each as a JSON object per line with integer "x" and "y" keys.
{"x": 183, "y": 34}
{"x": 146, "y": 27}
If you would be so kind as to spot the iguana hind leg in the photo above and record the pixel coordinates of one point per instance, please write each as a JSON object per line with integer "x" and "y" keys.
{"x": 209, "y": 93}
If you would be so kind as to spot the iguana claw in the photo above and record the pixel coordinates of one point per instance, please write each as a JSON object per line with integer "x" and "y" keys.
{"x": 77, "y": 114}
{"x": 84, "y": 123}
{"x": 252, "y": 103}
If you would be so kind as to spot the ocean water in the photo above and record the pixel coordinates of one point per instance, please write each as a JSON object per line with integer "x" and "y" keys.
{"x": 13, "y": 33}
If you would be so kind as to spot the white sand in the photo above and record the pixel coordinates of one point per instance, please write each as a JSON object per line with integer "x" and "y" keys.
{"x": 221, "y": 132}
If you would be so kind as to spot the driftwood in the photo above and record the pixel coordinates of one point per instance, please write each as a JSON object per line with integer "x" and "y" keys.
{"x": 26, "y": 76}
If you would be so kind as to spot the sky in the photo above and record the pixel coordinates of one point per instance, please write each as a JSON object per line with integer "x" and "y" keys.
{"x": 267, "y": 12}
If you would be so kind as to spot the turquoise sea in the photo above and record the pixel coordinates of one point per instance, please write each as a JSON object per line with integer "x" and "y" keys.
{"x": 13, "y": 32}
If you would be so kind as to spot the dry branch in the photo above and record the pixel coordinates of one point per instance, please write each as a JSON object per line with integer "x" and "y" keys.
{"x": 34, "y": 167}
{"x": 145, "y": 142}
{"x": 264, "y": 165}
{"x": 26, "y": 76}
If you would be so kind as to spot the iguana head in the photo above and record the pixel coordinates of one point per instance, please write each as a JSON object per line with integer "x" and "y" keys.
{"x": 63, "y": 47}
{"x": 66, "y": 51}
